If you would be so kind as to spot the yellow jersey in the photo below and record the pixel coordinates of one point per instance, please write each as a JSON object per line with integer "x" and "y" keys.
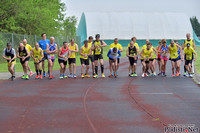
{"x": 90, "y": 45}
{"x": 190, "y": 42}
{"x": 154, "y": 54}
{"x": 85, "y": 51}
{"x": 146, "y": 53}
{"x": 99, "y": 50}
{"x": 37, "y": 53}
{"x": 28, "y": 47}
{"x": 135, "y": 44}
{"x": 189, "y": 53}
{"x": 73, "y": 54}
{"x": 173, "y": 51}
{"x": 118, "y": 46}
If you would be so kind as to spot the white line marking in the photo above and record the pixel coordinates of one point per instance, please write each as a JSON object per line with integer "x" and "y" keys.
{"x": 154, "y": 93}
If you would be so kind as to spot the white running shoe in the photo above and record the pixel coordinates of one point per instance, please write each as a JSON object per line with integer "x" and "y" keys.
{"x": 70, "y": 76}
{"x": 143, "y": 75}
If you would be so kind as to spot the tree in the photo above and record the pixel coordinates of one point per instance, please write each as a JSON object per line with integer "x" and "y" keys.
{"x": 69, "y": 27}
{"x": 195, "y": 25}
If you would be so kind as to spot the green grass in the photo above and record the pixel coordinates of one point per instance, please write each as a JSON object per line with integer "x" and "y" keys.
{"x": 18, "y": 67}
{"x": 197, "y": 62}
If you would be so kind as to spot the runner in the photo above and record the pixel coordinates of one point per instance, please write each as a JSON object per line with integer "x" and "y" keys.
{"x": 91, "y": 57}
{"x": 179, "y": 59}
{"x": 132, "y": 53}
{"x": 188, "y": 54}
{"x": 113, "y": 54}
{"x": 10, "y": 55}
{"x": 37, "y": 55}
{"x": 192, "y": 44}
{"x": 97, "y": 46}
{"x": 144, "y": 47}
{"x": 174, "y": 56}
{"x": 29, "y": 48}
{"x": 153, "y": 61}
{"x": 135, "y": 44}
{"x": 158, "y": 57}
{"x": 146, "y": 54}
{"x": 163, "y": 57}
{"x": 85, "y": 51}
{"x": 51, "y": 51}
{"x": 23, "y": 55}
{"x": 43, "y": 45}
{"x": 119, "y": 47}
{"x": 72, "y": 59}
{"x": 63, "y": 56}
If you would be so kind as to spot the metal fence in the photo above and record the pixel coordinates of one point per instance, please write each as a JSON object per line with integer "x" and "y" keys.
{"x": 15, "y": 39}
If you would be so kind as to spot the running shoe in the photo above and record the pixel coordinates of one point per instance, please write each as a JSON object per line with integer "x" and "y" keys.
{"x": 82, "y": 76}
{"x": 177, "y": 74}
{"x": 27, "y": 77}
{"x": 64, "y": 76}
{"x": 30, "y": 74}
{"x": 44, "y": 74}
{"x": 173, "y": 75}
{"x": 61, "y": 76}
{"x": 116, "y": 73}
{"x": 23, "y": 77}
{"x": 132, "y": 75}
{"x": 87, "y": 76}
{"x": 40, "y": 76}
{"x": 154, "y": 74}
{"x": 110, "y": 75}
{"x": 146, "y": 75}
{"x": 143, "y": 75}
{"x": 113, "y": 74}
{"x": 129, "y": 74}
{"x": 102, "y": 75}
{"x": 74, "y": 76}
{"x": 37, "y": 77}
{"x": 70, "y": 76}
{"x": 95, "y": 76}
{"x": 12, "y": 78}
{"x": 190, "y": 75}
{"x": 185, "y": 74}
{"x": 159, "y": 74}
{"x": 51, "y": 77}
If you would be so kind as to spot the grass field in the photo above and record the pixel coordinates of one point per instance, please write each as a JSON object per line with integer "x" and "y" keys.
{"x": 18, "y": 67}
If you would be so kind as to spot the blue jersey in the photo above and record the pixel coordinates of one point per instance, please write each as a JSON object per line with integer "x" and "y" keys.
{"x": 51, "y": 48}
{"x": 164, "y": 49}
{"x": 43, "y": 45}
{"x": 111, "y": 54}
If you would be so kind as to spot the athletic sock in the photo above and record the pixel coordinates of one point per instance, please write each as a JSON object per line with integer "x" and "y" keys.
{"x": 43, "y": 71}
{"x": 96, "y": 70}
{"x": 37, "y": 71}
{"x": 102, "y": 68}
{"x": 40, "y": 72}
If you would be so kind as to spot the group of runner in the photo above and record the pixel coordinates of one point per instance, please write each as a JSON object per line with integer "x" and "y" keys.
{"x": 92, "y": 51}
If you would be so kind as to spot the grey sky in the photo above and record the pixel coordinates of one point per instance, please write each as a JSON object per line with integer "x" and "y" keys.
{"x": 190, "y": 7}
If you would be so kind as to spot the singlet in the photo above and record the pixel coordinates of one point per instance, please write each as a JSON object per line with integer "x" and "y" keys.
{"x": 52, "y": 48}
{"x": 146, "y": 53}
{"x": 22, "y": 52}
{"x": 159, "y": 51}
{"x": 164, "y": 49}
{"x": 73, "y": 54}
{"x": 135, "y": 44}
{"x": 189, "y": 53}
{"x": 85, "y": 51}
{"x": 90, "y": 45}
{"x": 132, "y": 51}
{"x": 64, "y": 52}
{"x": 43, "y": 45}
{"x": 173, "y": 51}
{"x": 98, "y": 51}
{"x": 9, "y": 53}
{"x": 190, "y": 42}
{"x": 37, "y": 53}
{"x": 28, "y": 47}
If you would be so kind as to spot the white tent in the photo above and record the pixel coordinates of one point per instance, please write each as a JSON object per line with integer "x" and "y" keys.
{"x": 125, "y": 25}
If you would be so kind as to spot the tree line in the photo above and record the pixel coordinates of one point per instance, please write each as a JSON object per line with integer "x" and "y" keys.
{"x": 195, "y": 25}
{"x": 34, "y": 17}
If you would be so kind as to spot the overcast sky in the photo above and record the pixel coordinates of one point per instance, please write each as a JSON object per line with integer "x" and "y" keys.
{"x": 76, "y": 7}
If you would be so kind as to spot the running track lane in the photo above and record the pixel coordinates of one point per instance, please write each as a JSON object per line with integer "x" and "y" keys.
{"x": 109, "y": 105}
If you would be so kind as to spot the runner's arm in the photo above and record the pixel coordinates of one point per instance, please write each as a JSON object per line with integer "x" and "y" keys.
{"x": 141, "y": 54}
{"x": 28, "y": 54}
{"x": 56, "y": 50}
{"x": 109, "y": 54}
{"x": 76, "y": 51}
{"x": 119, "y": 54}
{"x": 69, "y": 54}
{"x": 48, "y": 51}
{"x": 194, "y": 45}
{"x": 151, "y": 54}
{"x": 90, "y": 52}
{"x": 81, "y": 50}
{"x": 18, "y": 54}
{"x": 137, "y": 52}
{"x": 127, "y": 53}
{"x": 103, "y": 44}
{"x": 4, "y": 55}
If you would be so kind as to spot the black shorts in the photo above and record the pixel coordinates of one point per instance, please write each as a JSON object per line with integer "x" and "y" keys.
{"x": 62, "y": 61}
{"x": 151, "y": 59}
{"x": 38, "y": 62}
{"x": 187, "y": 62}
{"x": 175, "y": 60}
{"x": 145, "y": 61}
{"x": 22, "y": 62}
{"x": 91, "y": 58}
{"x": 118, "y": 60}
{"x": 158, "y": 59}
{"x": 132, "y": 61}
{"x": 45, "y": 57}
{"x": 96, "y": 57}
{"x": 72, "y": 60}
{"x": 84, "y": 61}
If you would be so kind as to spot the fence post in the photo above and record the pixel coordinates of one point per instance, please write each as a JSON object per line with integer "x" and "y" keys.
{"x": 35, "y": 39}
{"x": 13, "y": 47}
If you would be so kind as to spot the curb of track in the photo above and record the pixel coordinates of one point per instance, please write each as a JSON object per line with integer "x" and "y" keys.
{"x": 196, "y": 77}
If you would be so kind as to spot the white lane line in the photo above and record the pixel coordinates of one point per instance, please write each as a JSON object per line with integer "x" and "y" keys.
{"x": 154, "y": 93}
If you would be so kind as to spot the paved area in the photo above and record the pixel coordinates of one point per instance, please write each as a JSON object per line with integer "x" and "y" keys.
{"x": 109, "y": 105}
